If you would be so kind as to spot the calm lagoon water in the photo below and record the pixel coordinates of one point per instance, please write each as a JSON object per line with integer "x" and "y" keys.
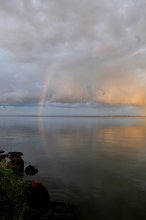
{"x": 99, "y": 164}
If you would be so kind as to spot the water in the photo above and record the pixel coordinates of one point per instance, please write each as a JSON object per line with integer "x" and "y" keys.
{"x": 99, "y": 164}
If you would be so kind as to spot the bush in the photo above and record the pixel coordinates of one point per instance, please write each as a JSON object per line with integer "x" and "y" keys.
{"x": 12, "y": 188}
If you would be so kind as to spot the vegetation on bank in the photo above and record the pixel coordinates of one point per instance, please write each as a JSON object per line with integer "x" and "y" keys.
{"x": 26, "y": 200}
{"x": 12, "y": 187}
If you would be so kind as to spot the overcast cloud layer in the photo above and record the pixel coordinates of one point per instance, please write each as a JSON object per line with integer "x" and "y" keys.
{"x": 73, "y": 51}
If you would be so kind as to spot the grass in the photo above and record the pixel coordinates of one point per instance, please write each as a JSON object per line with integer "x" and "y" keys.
{"x": 12, "y": 200}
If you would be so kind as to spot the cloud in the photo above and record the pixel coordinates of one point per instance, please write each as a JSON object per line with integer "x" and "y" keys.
{"x": 73, "y": 51}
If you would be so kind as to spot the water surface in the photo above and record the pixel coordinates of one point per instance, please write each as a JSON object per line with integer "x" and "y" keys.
{"x": 99, "y": 164}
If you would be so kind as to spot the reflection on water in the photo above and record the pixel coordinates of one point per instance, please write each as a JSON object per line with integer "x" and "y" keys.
{"x": 97, "y": 163}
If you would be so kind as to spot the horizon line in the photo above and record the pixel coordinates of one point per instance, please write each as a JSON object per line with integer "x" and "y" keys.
{"x": 76, "y": 116}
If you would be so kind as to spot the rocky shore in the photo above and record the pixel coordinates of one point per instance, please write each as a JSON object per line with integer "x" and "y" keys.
{"x": 36, "y": 201}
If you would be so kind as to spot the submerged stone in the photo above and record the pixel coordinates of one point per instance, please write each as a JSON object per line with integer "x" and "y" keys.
{"x": 31, "y": 170}
{"x": 60, "y": 211}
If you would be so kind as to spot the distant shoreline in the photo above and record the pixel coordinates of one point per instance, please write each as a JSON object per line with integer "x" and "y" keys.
{"x": 77, "y": 116}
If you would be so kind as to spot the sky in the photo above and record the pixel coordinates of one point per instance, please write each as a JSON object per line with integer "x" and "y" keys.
{"x": 71, "y": 51}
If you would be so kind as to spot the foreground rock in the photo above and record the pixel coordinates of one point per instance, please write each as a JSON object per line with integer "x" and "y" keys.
{"x": 40, "y": 206}
{"x": 3, "y": 156}
{"x": 16, "y": 163}
{"x": 37, "y": 196}
{"x": 15, "y": 154}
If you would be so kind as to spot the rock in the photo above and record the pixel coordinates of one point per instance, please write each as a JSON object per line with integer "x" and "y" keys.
{"x": 31, "y": 170}
{"x": 15, "y": 154}
{"x": 16, "y": 163}
{"x": 38, "y": 200}
{"x": 37, "y": 197}
{"x": 2, "y": 151}
{"x": 3, "y": 156}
